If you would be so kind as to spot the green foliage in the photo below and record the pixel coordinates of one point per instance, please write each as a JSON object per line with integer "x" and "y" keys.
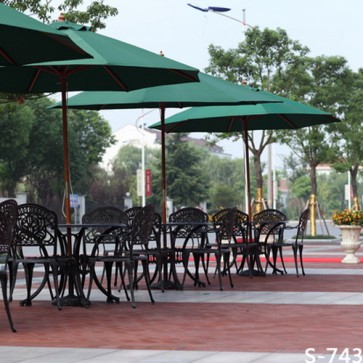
{"x": 301, "y": 187}
{"x": 187, "y": 181}
{"x": 94, "y": 14}
{"x": 227, "y": 182}
{"x": 16, "y": 122}
{"x": 32, "y": 147}
{"x": 259, "y": 61}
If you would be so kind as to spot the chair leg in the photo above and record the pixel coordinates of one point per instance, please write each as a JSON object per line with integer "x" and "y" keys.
{"x": 13, "y": 275}
{"x": 56, "y": 288}
{"x": 147, "y": 279}
{"x": 282, "y": 259}
{"x": 130, "y": 270}
{"x": 301, "y": 258}
{"x": 4, "y": 286}
{"x": 294, "y": 250}
{"x": 122, "y": 270}
{"x": 218, "y": 262}
{"x": 205, "y": 266}
{"x": 228, "y": 267}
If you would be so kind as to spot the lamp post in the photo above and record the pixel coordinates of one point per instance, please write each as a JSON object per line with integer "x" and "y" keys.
{"x": 222, "y": 11}
{"x": 142, "y": 136}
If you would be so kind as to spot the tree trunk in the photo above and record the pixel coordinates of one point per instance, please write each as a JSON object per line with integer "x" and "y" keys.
{"x": 314, "y": 185}
{"x": 314, "y": 202}
{"x": 258, "y": 171}
{"x": 353, "y": 170}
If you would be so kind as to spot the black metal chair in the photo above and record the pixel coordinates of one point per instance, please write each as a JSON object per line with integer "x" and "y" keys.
{"x": 128, "y": 248}
{"x": 225, "y": 228}
{"x": 269, "y": 226}
{"x": 8, "y": 216}
{"x": 298, "y": 243}
{"x": 105, "y": 215}
{"x": 7, "y": 207}
{"x": 191, "y": 229}
{"x": 188, "y": 236}
{"x": 38, "y": 241}
{"x": 153, "y": 251}
{"x": 243, "y": 245}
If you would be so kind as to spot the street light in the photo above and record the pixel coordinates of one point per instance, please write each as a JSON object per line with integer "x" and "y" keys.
{"x": 142, "y": 177}
{"x": 220, "y": 11}
{"x": 271, "y": 176}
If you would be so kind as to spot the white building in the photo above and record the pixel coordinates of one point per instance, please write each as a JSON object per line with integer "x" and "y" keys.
{"x": 128, "y": 135}
{"x": 150, "y": 138}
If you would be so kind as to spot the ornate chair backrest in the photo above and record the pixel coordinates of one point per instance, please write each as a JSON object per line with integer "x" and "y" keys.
{"x": 142, "y": 225}
{"x": 156, "y": 230}
{"x": 241, "y": 224}
{"x": 189, "y": 218}
{"x": 131, "y": 212}
{"x": 242, "y": 227}
{"x": 8, "y": 216}
{"x": 269, "y": 215}
{"x": 269, "y": 223}
{"x": 226, "y": 226}
{"x": 102, "y": 215}
{"x": 106, "y": 215}
{"x": 37, "y": 226}
{"x": 301, "y": 227}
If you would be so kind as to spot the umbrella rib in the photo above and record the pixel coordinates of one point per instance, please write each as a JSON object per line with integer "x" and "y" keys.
{"x": 37, "y": 73}
{"x": 186, "y": 75}
{"x": 293, "y": 126}
{"x": 6, "y": 57}
{"x": 117, "y": 80}
{"x": 172, "y": 129}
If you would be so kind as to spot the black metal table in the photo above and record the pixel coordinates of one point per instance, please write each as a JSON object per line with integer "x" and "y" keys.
{"x": 74, "y": 233}
{"x": 170, "y": 255}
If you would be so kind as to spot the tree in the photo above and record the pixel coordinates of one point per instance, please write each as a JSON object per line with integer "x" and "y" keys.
{"x": 95, "y": 13}
{"x": 32, "y": 147}
{"x": 125, "y": 166}
{"x": 186, "y": 177}
{"x": 348, "y": 135}
{"x": 16, "y": 122}
{"x": 326, "y": 85}
{"x": 226, "y": 182}
{"x": 258, "y": 60}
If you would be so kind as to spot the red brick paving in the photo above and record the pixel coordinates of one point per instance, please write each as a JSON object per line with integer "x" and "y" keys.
{"x": 202, "y": 326}
{"x": 188, "y": 326}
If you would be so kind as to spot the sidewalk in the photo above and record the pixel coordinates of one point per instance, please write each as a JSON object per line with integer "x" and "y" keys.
{"x": 262, "y": 319}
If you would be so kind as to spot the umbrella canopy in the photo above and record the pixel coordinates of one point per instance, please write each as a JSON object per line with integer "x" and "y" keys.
{"x": 26, "y": 40}
{"x": 286, "y": 114}
{"x": 210, "y": 90}
{"x": 268, "y": 116}
{"x": 115, "y": 66}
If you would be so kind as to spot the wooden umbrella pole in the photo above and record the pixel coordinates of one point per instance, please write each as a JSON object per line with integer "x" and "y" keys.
{"x": 163, "y": 170}
{"x": 247, "y": 167}
{"x": 66, "y": 160}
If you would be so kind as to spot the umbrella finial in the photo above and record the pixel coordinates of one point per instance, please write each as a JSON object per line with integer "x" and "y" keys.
{"x": 162, "y": 53}
{"x": 61, "y": 17}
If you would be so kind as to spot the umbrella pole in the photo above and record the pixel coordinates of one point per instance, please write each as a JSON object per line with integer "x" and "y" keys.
{"x": 163, "y": 169}
{"x": 66, "y": 160}
{"x": 71, "y": 299}
{"x": 247, "y": 168}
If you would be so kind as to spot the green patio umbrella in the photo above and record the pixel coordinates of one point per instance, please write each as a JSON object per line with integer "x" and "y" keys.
{"x": 115, "y": 66}
{"x": 210, "y": 90}
{"x": 286, "y": 114}
{"x": 24, "y": 40}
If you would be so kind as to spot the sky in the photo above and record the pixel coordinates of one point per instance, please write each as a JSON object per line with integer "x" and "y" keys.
{"x": 326, "y": 27}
